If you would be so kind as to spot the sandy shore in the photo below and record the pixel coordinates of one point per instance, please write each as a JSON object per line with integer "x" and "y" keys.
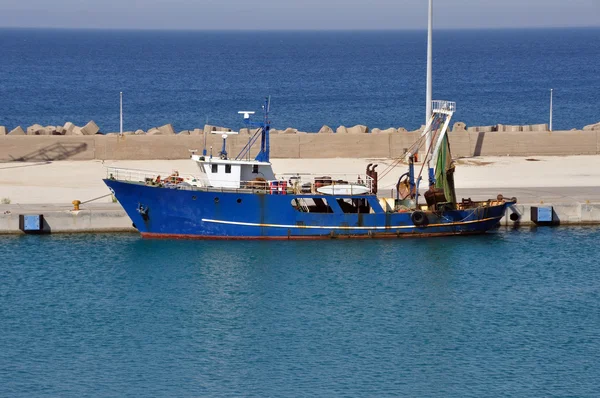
{"x": 65, "y": 181}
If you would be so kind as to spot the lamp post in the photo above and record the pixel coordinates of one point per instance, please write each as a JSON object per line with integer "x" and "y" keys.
{"x": 121, "y": 113}
{"x": 551, "y": 105}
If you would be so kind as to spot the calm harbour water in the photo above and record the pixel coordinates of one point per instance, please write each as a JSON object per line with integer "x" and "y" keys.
{"x": 314, "y": 78}
{"x": 513, "y": 313}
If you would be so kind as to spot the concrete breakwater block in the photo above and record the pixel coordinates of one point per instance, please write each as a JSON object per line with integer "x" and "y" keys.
{"x": 2, "y": 130}
{"x": 326, "y": 130}
{"x": 358, "y": 129}
{"x": 17, "y": 131}
{"x": 592, "y": 127}
{"x": 459, "y": 127}
{"x": 391, "y": 130}
{"x": 153, "y": 131}
{"x": 68, "y": 128}
{"x": 289, "y": 130}
{"x": 90, "y": 129}
{"x": 208, "y": 128}
{"x": 36, "y": 129}
{"x": 167, "y": 129}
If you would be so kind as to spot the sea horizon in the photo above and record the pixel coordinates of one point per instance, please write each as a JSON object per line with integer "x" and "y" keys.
{"x": 219, "y": 30}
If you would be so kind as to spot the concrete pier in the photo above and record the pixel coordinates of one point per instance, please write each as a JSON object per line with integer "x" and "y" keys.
{"x": 564, "y": 214}
{"x": 62, "y": 219}
{"x": 112, "y": 218}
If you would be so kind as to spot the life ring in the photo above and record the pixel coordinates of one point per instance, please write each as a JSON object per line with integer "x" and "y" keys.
{"x": 418, "y": 218}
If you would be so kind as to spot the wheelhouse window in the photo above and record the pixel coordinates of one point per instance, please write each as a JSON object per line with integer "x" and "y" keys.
{"x": 214, "y": 168}
{"x": 228, "y": 168}
{"x": 255, "y": 168}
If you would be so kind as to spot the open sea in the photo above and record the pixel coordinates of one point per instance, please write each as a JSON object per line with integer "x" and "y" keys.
{"x": 513, "y": 313}
{"x": 314, "y": 78}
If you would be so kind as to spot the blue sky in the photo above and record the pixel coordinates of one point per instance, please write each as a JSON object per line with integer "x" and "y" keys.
{"x": 296, "y": 14}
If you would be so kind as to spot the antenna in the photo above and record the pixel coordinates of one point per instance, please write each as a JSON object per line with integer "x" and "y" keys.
{"x": 204, "y": 134}
{"x": 246, "y": 114}
{"x": 223, "y": 153}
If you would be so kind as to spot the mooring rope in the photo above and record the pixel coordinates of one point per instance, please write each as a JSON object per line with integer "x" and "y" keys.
{"x": 101, "y": 197}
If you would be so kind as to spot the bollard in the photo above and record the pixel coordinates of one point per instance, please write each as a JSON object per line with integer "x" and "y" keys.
{"x": 76, "y": 204}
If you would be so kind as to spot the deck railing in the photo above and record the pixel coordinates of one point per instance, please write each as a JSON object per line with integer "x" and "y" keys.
{"x": 443, "y": 106}
{"x": 287, "y": 183}
{"x": 303, "y": 180}
{"x": 134, "y": 175}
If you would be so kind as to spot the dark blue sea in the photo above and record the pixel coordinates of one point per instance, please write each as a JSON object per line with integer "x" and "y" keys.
{"x": 314, "y": 78}
{"x": 513, "y": 313}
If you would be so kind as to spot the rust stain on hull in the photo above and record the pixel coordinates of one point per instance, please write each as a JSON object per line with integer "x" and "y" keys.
{"x": 150, "y": 235}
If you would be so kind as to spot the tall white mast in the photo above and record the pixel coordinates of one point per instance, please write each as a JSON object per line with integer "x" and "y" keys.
{"x": 121, "y": 113}
{"x": 429, "y": 61}
{"x": 429, "y": 84}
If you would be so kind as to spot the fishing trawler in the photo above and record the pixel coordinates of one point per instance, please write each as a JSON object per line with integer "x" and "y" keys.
{"x": 243, "y": 198}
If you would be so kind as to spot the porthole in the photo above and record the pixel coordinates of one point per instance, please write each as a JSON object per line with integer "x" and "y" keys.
{"x": 239, "y": 200}
{"x": 216, "y": 200}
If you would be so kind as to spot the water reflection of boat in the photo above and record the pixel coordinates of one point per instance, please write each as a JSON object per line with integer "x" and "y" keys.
{"x": 243, "y": 198}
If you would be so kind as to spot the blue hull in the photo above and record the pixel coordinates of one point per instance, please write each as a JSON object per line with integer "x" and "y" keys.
{"x": 172, "y": 213}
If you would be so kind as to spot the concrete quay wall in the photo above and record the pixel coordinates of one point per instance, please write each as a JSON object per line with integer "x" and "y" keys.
{"x": 563, "y": 214}
{"x": 92, "y": 218}
{"x": 112, "y": 218}
{"x": 298, "y": 145}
